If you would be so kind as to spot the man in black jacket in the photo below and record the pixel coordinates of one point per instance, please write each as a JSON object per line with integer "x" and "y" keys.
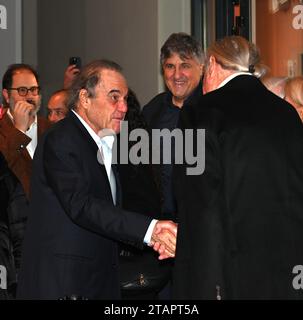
{"x": 182, "y": 66}
{"x": 13, "y": 206}
{"x": 75, "y": 220}
{"x": 240, "y": 222}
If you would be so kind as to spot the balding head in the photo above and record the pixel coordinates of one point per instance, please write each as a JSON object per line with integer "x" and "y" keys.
{"x": 57, "y": 106}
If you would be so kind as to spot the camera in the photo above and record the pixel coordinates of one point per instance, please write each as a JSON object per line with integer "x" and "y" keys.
{"x": 76, "y": 61}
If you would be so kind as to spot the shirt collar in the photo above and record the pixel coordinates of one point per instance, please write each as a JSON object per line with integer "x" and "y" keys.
{"x": 107, "y": 140}
{"x": 232, "y": 76}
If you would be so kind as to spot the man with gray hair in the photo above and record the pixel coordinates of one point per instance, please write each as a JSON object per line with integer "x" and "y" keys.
{"x": 182, "y": 61}
{"x": 76, "y": 220}
{"x": 240, "y": 222}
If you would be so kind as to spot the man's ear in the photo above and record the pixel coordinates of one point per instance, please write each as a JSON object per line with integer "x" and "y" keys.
{"x": 83, "y": 98}
{"x": 212, "y": 66}
{"x": 5, "y": 96}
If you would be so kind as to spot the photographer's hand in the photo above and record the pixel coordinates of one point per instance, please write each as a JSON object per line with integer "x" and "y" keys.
{"x": 69, "y": 76}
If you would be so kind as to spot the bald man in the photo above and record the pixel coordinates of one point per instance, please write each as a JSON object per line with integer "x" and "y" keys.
{"x": 57, "y": 106}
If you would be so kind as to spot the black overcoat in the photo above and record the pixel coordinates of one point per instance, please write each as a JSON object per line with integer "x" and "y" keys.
{"x": 241, "y": 221}
{"x": 70, "y": 246}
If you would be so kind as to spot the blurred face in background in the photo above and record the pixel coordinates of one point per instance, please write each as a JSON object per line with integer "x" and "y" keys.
{"x": 181, "y": 77}
{"x": 57, "y": 106}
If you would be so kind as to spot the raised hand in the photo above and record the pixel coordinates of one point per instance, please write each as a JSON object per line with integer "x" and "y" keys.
{"x": 22, "y": 113}
{"x": 164, "y": 239}
{"x": 69, "y": 76}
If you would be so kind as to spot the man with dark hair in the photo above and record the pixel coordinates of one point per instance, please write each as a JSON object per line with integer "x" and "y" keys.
{"x": 70, "y": 247}
{"x": 57, "y": 106}
{"x": 20, "y": 127}
{"x": 182, "y": 66}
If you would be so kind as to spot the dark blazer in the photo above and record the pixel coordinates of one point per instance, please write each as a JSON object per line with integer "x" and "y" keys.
{"x": 13, "y": 144}
{"x": 13, "y": 206}
{"x": 70, "y": 243}
{"x": 160, "y": 113}
{"x": 241, "y": 221}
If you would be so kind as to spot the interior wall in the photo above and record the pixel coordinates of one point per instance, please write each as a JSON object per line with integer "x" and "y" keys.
{"x": 281, "y": 45}
{"x": 10, "y": 33}
{"x": 126, "y": 32}
{"x": 129, "y": 32}
{"x": 173, "y": 16}
{"x": 60, "y": 33}
{"x": 29, "y": 33}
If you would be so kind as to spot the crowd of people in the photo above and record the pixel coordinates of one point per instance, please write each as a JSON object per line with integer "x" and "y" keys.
{"x": 78, "y": 222}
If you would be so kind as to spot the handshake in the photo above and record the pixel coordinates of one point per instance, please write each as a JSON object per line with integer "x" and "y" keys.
{"x": 164, "y": 238}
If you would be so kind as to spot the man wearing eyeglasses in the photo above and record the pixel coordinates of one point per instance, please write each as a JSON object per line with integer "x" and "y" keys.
{"x": 20, "y": 127}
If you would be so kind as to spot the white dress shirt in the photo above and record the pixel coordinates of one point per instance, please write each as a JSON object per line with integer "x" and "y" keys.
{"x": 32, "y": 133}
{"x": 105, "y": 145}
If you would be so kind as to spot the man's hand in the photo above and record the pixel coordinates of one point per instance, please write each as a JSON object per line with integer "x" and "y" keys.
{"x": 164, "y": 239}
{"x": 23, "y": 115}
{"x": 69, "y": 76}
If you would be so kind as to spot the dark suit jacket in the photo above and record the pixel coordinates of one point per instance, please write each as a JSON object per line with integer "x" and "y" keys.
{"x": 241, "y": 221}
{"x": 13, "y": 206}
{"x": 70, "y": 246}
{"x": 160, "y": 113}
{"x": 13, "y": 144}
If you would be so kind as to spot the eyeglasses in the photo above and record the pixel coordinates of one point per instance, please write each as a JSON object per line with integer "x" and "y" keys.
{"x": 23, "y": 91}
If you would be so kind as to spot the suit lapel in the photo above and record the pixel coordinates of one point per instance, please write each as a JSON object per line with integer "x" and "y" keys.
{"x": 73, "y": 118}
